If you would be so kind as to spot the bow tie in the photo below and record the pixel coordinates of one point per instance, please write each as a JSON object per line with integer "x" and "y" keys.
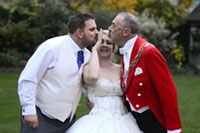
{"x": 122, "y": 51}
{"x": 80, "y": 58}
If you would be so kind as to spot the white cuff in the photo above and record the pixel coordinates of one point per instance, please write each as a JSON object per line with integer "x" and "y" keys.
{"x": 174, "y": 131}
{"x": 29, "y": 110}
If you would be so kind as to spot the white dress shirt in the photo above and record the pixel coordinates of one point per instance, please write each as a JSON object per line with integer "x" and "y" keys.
{"x": 126, "y": 51}
{"x": 45, "y": 57}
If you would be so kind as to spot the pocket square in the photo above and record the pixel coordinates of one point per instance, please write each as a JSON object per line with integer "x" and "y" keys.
{"x": 138, "y": 71}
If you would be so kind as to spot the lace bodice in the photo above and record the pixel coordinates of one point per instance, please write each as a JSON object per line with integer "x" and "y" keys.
{"x": 105, "y": 87}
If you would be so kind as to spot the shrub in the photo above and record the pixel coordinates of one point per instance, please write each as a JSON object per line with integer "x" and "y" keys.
{"x": 25, "y": 24}
{"x": 153, "y": 29}
{"x": 8, "y": 61}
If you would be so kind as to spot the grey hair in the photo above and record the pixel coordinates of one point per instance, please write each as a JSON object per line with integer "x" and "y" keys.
{"x": 130, "y": 21}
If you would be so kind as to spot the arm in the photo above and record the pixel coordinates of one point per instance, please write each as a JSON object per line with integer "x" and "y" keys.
{"x": 165, "y": 88}
{"x": 91, "y": 70}
{"x": 41, "y": 60}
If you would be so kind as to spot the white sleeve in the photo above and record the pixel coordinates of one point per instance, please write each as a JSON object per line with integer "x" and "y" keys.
{"x": 43, "y": 59}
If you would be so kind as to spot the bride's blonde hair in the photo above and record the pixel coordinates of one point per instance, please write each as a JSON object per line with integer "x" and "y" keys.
{"x": 115, "y": 47}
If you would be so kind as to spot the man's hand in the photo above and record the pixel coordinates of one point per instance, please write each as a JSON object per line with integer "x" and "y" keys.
{"x": 31, "y": 121}
{"x": 90, "y": 105}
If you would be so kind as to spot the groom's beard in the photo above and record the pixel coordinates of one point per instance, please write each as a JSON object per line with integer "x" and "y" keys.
{"x": 88, "y": 42}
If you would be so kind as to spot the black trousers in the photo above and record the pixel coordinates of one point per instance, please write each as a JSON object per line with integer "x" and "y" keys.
{"x": 147, "y": 122}
{"x": 47, "y": 125}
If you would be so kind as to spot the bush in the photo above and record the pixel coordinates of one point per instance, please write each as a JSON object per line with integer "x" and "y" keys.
{"x": 153, "y": 29}
{"x": 8, "y": 61}
{"x": 104, "y": 18}
{"x": 25, "y": 24}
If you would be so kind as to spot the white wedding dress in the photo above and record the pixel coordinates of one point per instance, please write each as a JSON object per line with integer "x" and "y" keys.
{"x": 108, "y": 114}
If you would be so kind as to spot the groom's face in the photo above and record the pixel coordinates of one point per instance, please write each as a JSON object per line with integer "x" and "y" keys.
{"x": 89, "y": 33}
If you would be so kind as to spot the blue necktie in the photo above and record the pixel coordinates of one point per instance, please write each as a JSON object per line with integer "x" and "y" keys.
{"x": 80, "y": 58}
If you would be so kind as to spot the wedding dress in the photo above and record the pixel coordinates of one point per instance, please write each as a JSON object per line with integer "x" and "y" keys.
{"x": 108, "y": 114}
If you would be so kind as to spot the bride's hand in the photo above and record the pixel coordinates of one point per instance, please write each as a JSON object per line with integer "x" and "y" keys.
{"x": 89, "y": 104}
{"x": 99, "y": 42}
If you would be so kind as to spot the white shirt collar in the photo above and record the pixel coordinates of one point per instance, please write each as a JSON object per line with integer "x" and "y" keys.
{"x": 128, "y": 45}
{"x": 74, "y": 45}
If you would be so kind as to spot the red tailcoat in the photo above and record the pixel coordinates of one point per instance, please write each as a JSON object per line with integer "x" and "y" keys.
{"x": 154, "y": 87}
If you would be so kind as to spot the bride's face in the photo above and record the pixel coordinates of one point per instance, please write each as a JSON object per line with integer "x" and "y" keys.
{"x": 106, "y": 48}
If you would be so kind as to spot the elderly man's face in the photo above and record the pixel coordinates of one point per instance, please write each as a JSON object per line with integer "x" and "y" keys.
{"x": 116, "y": 30}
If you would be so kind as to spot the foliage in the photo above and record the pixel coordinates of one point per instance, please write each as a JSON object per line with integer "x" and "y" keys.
{"x": 19, "y": 36}
{"x": 178, "y": 55}
{"x": 153, "y": 29}
{"x": 25, "y": 24}
{"x": 103, "y": 18}
{"x": 91, "y": 5}
{"x": 4, "y": 13}
{"x": 172, "y": 12}
{"x": 52, "y": 19}
{"x": 8, "y": 61}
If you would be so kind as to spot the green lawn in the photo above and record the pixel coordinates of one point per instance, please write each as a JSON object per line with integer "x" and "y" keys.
{"x": 188, "y": 97}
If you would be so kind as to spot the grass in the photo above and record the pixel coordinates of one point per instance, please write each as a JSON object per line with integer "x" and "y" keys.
{"x": 188, "y": 88}
{"x": 9, "y": 104}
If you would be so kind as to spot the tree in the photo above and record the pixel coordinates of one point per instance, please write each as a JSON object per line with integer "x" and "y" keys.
{"x": 91, "y": 5}
{"x": 27, "y": 23}
{"x": 173, "y": 12}
{"x": 154, "y": 30}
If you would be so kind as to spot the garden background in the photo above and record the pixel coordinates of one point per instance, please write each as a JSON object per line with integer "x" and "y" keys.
{"x": 24, "y": 24}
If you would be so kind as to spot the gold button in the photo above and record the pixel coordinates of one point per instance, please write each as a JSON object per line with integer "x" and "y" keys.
{"x": 137, "y": 105}
{"x": 139, "y": 94}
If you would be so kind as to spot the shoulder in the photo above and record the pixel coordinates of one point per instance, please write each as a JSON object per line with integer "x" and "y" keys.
{"x": 55, "y": 41}
{"x": 150, "y": 49}
{"x": 151, "y": 53}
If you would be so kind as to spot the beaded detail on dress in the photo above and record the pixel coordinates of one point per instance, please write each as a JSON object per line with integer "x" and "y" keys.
{"x": 105, "y": 87}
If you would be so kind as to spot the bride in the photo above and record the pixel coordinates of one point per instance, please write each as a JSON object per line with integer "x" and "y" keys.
{"x": 101, "y": 77}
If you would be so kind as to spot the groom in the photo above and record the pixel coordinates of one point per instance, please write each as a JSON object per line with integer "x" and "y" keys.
{"x": 49, "y": 87}
{"x": 149, "y": 90}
